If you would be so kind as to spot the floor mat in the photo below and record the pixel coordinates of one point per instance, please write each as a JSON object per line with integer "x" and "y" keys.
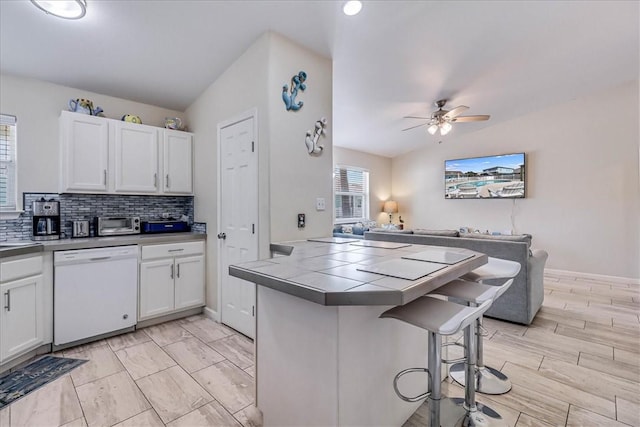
{"x": 23, "y": 381}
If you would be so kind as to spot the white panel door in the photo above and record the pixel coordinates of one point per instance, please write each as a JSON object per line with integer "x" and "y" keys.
{"x": 189, "y": 282}
{"x": 156, "y": 288}
{"x": 136, "y": 163}
{"x": 238, "y": 222}
{"x": 22, "y": 326}
{"x": 84, "y": 152}
{"x": 178, "y": 160}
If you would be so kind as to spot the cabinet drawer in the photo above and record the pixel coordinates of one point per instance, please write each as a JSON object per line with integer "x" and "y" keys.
{"x": 22, "y": 267}
{"x": 172, "y": 250}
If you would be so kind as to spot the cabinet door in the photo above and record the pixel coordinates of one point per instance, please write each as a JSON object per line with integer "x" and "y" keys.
{"x": 189, "y": 281}
{"x": 22, "y": 316}
{"x": 156, "y": 288}
{"x": 136, "y": 158}
{"x": 178, "y": 161}
{"x": 84, "y": 153}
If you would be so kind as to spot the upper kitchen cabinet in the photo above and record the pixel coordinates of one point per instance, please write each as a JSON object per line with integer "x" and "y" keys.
{"x": 84, "y": 153}
{"x": 178, "y": 161}
{"x": 100, "y": 155}
{"x": 136, "y": 158}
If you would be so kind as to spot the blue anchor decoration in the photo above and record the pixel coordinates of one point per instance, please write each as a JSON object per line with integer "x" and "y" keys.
{"x": 312, "y": 138}
{"x": 297, "y": 83}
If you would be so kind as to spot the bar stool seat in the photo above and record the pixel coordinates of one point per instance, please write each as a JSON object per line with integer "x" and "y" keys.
{"x": 438, "y": 317}
{"x": 471, "y": 290}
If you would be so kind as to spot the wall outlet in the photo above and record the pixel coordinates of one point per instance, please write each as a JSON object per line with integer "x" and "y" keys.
{"x": 320, "y": 204}
{"x": 301, "y": 220}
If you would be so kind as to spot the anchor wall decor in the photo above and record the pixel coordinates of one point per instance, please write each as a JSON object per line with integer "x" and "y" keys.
{"x": 297, "y": 83}
{"x": 311, "y": 140}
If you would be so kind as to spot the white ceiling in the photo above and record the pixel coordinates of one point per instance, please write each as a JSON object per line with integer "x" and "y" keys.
{"x": 503, "y": 58}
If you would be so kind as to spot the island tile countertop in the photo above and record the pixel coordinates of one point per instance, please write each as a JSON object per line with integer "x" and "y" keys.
{"x": 358, "y": 272}
{"x": 8, "y": 249}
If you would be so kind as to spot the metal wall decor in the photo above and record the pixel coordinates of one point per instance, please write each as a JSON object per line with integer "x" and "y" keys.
{"x": 289, "y": 98}
{"x": 311, "y": 140}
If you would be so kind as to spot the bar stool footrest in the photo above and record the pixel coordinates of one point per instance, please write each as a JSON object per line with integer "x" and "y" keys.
{"x": 488, "y": 380}
{"x": 414, "y": 398}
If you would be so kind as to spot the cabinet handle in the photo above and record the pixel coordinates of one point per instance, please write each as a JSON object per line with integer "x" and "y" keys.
{"x": 155, "y": 180}
{"x": 167, "y": 180}
{"x": 178, "y": 272}
{"x": 104, "y": 172}
{"x": 172, "y": 271}
{"x": 8, "y": 306}
{"x": 176, "y": 250}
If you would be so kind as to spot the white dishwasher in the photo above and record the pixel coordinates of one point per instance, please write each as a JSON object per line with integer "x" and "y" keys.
{"x": 95, "y": 292}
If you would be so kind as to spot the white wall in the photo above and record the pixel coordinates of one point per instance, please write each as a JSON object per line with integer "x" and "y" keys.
{"x": 583, "y": 187}
{"x": 242, "y": 87}
{"x": 37, "y": 105}
{"x": 296, "y": 178}
{"x": 379, "y": 179}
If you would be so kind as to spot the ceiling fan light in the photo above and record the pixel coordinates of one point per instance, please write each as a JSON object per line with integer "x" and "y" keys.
{"x": 445, "y": 128}
{"x": 67, "y": 9}
{"x": 352, "y": 7}
{"x": 432, "y": 129}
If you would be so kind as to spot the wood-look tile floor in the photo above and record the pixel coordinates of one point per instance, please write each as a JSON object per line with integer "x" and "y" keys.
{"x": 577, "y": 364}
{"x": 189, "y": 372}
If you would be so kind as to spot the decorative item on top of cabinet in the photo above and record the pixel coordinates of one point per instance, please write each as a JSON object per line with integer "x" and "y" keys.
{"x": 85, "y": 106}
{"x": 297, "y": 83}
{"x": 132, "y": 119}
{"x": 312, "y": 142}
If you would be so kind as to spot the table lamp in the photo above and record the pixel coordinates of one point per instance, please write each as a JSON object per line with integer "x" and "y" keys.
{"x": 390, "y": 207}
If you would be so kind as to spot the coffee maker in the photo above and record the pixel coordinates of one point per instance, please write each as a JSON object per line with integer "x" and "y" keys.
{"x": 46, "y": 220}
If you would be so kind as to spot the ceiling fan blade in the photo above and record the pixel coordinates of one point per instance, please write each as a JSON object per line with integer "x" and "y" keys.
{"x": 417, "y": 117}
{"x": 479, "y": 118}
{"x": 417, "y": 126}
{"x": 451, "y": 114}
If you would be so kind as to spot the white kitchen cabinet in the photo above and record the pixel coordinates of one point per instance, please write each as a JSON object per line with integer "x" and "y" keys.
{"x": 178, "y": 162}
{"x": 22, "y": 317}
{"x": 171, "y": 278}
{"x": 100, "y": 155}
{"x": 136, "y": 157}
{"x": 84, "y": 153}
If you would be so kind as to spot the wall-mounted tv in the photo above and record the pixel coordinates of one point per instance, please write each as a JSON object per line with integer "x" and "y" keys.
{"x": 491, "y": 177}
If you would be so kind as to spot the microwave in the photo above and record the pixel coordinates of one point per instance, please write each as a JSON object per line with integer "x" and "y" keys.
{"x": 116, "y": 226}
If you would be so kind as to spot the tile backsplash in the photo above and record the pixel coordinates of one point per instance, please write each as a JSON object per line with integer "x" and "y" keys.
{"x": 87, "y": 206}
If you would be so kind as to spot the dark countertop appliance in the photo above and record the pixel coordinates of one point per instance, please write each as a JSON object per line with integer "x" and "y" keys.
{"x": 46, "y": 220}
{"x": 164, "y": 226}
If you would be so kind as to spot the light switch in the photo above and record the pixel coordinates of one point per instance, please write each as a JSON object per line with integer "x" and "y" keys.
{"x": 320, "y": 204}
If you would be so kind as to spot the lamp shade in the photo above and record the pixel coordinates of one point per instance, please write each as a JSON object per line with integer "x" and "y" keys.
{"x": 390, "y": 207}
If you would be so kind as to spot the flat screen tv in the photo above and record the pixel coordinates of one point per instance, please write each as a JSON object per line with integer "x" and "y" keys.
{"x": 490, "y": 177}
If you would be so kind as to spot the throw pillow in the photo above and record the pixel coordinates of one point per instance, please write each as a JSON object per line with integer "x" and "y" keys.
{"x": 347, "y": 229}
{"x": 358, "y": 230}
{"x": 337, "y": 228}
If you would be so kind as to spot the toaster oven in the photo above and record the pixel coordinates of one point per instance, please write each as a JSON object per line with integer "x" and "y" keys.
{"x": 116, "y": 226}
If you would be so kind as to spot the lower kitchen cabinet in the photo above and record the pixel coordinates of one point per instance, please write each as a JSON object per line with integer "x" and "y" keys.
{"x": 171, "y": 278}
{"x": 22, "y": 319}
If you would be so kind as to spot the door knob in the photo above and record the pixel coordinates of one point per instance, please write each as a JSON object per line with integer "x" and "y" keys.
{"x": 222, "y": 236}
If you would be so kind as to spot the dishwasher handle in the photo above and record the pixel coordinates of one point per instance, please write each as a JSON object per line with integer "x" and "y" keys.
{"x": 102, "y": 258}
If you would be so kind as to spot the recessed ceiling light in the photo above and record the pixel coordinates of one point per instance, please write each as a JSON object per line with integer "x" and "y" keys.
{"x": 352, "y": 7}
{"x": 67, "y": 9}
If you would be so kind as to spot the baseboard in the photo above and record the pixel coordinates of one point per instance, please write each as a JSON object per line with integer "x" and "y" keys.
{"x": 602, "y": 277}
{"x": 211, "y": 314}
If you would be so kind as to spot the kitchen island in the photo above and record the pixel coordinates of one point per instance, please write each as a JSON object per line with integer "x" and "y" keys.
{"x": 323, "y": 357}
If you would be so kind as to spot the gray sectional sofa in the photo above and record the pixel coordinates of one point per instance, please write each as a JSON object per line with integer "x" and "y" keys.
{"x": 524, "y": 298}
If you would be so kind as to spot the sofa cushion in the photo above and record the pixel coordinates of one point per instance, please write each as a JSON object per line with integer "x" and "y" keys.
{"x": 393, "y": 230}
{"x": 513, "y": 238}
{"x": 446, "y": 233}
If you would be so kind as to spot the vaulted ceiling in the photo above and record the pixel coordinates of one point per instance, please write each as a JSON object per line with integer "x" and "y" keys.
{"x": 503, "y": 58}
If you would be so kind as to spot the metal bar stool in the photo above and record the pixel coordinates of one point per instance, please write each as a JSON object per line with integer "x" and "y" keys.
{"x": 474, "y": 294}
{"x": 439, "y": 318}
{"x": 487, "y": 379}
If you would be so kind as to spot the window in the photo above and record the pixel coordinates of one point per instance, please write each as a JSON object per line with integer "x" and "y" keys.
{"x": 351, "y": 194}
{"x": 8, "y": 166}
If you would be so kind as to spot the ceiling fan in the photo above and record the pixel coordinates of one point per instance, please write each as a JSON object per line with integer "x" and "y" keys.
{"x": 442, "y": 119}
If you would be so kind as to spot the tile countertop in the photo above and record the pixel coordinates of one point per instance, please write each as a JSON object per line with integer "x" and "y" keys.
{"x": 330, "y": 273}
{"x": 8, "y": 249}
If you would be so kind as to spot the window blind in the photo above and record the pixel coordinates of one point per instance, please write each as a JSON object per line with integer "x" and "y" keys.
{"x": 8, "y": 165}
{"x": 351, "y": 193}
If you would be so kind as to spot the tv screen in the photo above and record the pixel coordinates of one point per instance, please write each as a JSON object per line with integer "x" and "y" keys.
{"x": 491, "y": 177}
